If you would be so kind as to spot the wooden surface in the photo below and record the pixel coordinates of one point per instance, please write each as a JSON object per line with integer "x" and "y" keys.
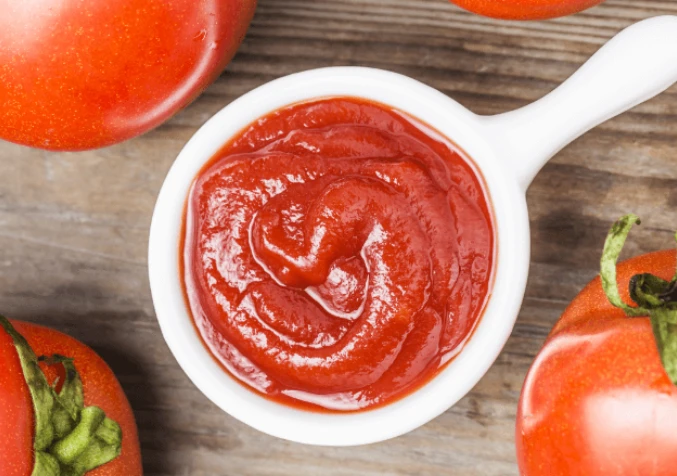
{"x": 74, "y": 227}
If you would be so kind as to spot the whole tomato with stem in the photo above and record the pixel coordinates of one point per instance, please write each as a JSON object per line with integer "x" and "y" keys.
{"x": 62, "y": 411}
{"x": 526, "y": 9}
{"x": 600, "y": 399}
{"x": 82, "y": 74}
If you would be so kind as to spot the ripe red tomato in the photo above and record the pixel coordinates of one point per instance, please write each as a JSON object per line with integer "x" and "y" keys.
{"x": 526, "y": 9}
{"x": 17, "y": 411}
{"x": 82, "y": 74}
{"x": 597, "y": 400}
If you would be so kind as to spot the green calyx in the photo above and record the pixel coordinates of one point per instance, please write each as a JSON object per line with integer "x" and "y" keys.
{"x": 70, "y": 439}
{"x": 654, "y": 297}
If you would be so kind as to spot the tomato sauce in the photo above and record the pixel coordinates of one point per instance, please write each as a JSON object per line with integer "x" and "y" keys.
{"x": 337, "y": 254}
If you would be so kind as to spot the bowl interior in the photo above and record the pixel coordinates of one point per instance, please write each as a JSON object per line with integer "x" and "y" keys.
{"x": 510, "y": 223}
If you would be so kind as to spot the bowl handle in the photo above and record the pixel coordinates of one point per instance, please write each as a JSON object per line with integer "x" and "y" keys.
{"x": 636, "y": 65}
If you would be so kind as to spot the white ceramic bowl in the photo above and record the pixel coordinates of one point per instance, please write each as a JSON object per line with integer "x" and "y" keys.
{"x": 508, "y": 150}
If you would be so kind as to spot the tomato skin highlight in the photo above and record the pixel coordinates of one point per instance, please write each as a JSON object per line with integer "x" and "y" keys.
{"x": 101, "y": 389}
{"x": 16, "y": 413}
{"x": 597, "y": 400}
{"x": 78, "y": 74}
{"x": 526, "y": 9}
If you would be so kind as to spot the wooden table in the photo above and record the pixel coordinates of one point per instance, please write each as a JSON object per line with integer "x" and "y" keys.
{"x": 74, "y": 227}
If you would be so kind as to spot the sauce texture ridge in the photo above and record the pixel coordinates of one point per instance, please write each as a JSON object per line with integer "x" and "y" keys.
{"x": 337, "y": 254}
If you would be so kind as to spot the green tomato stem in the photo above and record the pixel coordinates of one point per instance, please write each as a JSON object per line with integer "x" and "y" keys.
{"x": 654, "y": 297}
{"x": 613, "y": 246}
{"x": 70, "y": 439}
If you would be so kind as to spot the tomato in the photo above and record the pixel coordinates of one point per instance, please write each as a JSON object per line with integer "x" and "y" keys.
{"x": 18, "y": 427}
{"x": 16, "y": 413}
{"x": 526, "y": 9}
{"x": 82, "y": 74}
{"x": 597, "y": 400}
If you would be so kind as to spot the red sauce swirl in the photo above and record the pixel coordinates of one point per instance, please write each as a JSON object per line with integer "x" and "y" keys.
{"x": 337, "y": 254}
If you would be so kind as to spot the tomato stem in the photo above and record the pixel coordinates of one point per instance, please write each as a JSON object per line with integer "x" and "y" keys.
{"x": 613, "y": 246}
{"x": 654, "y": 297}
{"x": 70, "y": 439}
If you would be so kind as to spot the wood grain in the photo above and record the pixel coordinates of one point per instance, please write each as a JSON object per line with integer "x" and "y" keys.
{"x": 73, "y": 227}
